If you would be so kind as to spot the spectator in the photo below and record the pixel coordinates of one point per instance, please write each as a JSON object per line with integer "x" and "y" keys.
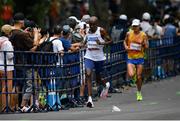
{"x": 169, "y": 29}
{"x": 146, "y": 26}
{"x": 6, "y": 68}
{"x": 57, "y": 45}
{"x": 55, "y": 84}
{"x": 158, "y": 30}
{"x": 80, "y": 32}
{"x": 118, "y": 31}
{"x": 85, "y": 18}
{"x": 22, "y": 41}
{"x": 169, "y": 33}
{"x": 66, "y": 32}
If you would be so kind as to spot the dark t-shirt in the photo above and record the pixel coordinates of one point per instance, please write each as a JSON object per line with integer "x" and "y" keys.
{"x": 22, "y": 41}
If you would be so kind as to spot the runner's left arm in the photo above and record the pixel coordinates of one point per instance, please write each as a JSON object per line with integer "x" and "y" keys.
{"x": 145, "y": 42}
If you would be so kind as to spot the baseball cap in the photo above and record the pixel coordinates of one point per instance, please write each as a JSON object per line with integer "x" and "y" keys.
{"x": 166, "y": 16}
{"x": 85, "y": 18}
{"x": 6, "y": 29}
{"x": 136, "y": 22}
{"x": 19, "y": 16}
{"x": 73, "y": 17}
{"x": 146, "y": 16}
{"x": 123, "y": 17}
{"x": 66, "y": 29}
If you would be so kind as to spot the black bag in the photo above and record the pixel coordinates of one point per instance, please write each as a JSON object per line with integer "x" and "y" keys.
{"x": 47, "y": 58}
{"x": 76, "y": 37}
{"x": 46, "y": 46}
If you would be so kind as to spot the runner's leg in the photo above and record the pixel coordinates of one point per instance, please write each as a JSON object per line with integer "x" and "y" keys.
{"x": 139, "y": 76}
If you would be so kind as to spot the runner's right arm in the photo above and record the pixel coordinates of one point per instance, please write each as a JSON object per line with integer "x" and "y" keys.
{"x": 125, "y": 42}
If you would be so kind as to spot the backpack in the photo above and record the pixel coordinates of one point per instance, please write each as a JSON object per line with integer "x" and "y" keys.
{"x": 76, "y": 37}
{"x": 47, "y": 58}
{"x": 118, "y": 33}
{"x": 46, "y": 46}
{"x": 115, "y": 34}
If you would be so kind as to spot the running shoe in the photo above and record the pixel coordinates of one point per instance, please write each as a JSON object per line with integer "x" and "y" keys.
{"x": 90, "y": 104}
{"x": 25, "y": 109}
{"x": 139, "y": 96}
{"x": 105, "y": 90}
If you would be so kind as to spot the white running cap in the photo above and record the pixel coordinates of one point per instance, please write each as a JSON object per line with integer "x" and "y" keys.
{"x": 123, "y": 17}
{"x": 136, "y": 22}
{"x": 146, "y": 16}
{"x": 166, "y": 16}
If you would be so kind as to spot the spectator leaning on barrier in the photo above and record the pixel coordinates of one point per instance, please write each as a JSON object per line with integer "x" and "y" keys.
{"x": 158, "y": 30}
{"x": 135, "y": 43}
{"x": 95, "y": 40}
{"x": 78, "y": 36}
{"x": 169, "y": 34}
{"x": 57, "y": 44}
{"x": 6, "y": 68}
{"x": 22, "y": 41}
{"x": 169, "y": 28}
{"x": 146, "y": 26}
{"x": 86, "y": 19}
{"x": 66, "y": 31}
{"x": 118, "y": 31}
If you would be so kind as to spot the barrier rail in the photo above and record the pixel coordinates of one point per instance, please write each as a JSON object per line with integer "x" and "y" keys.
{"x": 50, "y": 77}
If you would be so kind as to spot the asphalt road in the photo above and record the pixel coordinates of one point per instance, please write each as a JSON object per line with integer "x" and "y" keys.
{"x": 161, "y": 102}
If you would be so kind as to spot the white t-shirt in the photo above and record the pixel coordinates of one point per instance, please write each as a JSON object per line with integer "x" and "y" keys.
{"x": 57, "y": 47}
{"x": 158, "y": 30}
{"x": 5, "y": 45}
{"x": 94, "y": 51}
{"x": 147, "y": 28}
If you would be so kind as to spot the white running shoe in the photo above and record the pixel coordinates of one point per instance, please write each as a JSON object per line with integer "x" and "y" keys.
{"x": 90, "y": 104}
{"x": 105, "y": 90}
{"x": 25, "y": 109}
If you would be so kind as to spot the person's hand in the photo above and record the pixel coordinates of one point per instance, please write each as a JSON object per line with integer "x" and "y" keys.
{"x": 77, "y": 48}
{"x": 36, "y": 32}
{"x": 28, "y": 29}
{"x": 127, "y": 48}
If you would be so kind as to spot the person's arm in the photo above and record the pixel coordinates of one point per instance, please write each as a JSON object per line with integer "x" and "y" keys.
{"x": 105, "y": 36}
{"x": 7, "y": 46}
{"x": 60, "y": 47}
{"x": 83, "y": 43}
{"x": 36, "y": 39}
{"x": 125, "y": 42}
{"x": 145, "y": 42}
{"x": 74, "y": 47}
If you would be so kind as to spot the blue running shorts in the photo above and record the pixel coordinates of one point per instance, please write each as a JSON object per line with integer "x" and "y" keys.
{"x": 139, "y": 61}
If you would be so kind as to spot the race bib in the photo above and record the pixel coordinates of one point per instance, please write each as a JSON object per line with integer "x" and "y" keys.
{"x": 135, "y": 46}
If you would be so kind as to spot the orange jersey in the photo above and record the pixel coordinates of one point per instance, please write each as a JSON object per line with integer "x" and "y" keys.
{"x": 135, "y": 43}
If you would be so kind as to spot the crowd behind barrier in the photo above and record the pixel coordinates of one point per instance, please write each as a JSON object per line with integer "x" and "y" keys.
{"x": 54, "y": 81}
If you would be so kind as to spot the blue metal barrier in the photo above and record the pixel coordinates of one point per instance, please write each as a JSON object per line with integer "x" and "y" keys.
{"x": 53, "y": 75}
